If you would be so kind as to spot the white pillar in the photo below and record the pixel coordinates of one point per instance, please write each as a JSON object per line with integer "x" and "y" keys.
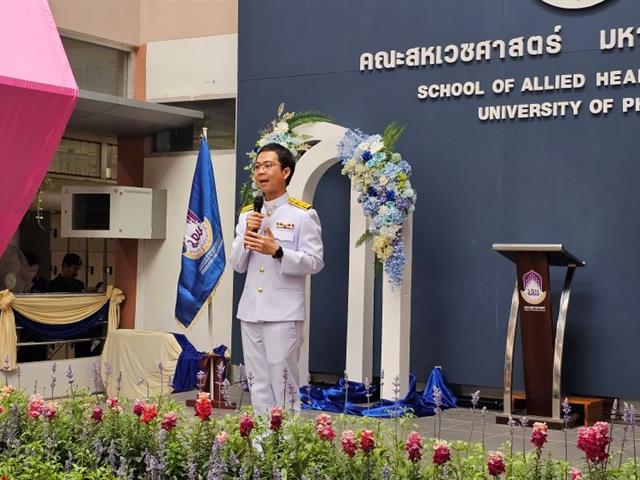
{"x": 359, "y": 363}
{"x": 396, "y": 323}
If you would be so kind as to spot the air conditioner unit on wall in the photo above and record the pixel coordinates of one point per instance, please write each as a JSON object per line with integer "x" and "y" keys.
{"x": 114, "y": 212}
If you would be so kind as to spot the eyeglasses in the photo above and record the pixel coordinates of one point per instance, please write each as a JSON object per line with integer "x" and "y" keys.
{"x": 266, "y": 166}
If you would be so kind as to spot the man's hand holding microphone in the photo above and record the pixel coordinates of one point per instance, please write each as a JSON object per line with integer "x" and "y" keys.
{"x": 265, "y": 244}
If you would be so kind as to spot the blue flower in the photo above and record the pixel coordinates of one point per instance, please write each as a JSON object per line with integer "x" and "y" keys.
{"x": 348, "y": 143}
{"x": 372, "y": 192}
{"x": 366, "y": 155}
{"x": 390, "y": 196}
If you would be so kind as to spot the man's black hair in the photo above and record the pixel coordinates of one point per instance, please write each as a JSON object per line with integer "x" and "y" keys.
{"x": 72, "y": 260}
{"x": 285, "y": 157}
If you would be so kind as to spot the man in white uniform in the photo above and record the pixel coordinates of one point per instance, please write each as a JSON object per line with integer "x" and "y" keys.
{"x": 277, "y": 248}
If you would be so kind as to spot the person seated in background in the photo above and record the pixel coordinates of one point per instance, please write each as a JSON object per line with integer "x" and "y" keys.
{"x": 39, "y": 284}
{"x": 66, "y": 280}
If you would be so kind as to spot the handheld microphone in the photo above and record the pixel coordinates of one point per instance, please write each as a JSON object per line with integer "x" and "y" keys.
{"x": 258, "y": 202}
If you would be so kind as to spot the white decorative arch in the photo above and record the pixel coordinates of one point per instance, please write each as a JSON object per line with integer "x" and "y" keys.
{"x": 396, "y": 309}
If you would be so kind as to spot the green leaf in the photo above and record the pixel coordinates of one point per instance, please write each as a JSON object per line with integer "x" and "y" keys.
{"x": 365, "y": 237}
{"x": 391, "y": 135}
{"x": 300, "y": 118}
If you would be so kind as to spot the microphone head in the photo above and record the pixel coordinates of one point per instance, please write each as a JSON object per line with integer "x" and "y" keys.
{"x": 258, "y": 202}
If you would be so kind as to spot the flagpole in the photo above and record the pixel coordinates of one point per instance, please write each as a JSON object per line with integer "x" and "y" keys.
{"x": 210, "y": 303}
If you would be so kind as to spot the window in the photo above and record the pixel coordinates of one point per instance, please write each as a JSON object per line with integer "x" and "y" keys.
{"x": 96, "y": 67}
{"x": 219, "y": 118}
{"x": 86, "y": 158}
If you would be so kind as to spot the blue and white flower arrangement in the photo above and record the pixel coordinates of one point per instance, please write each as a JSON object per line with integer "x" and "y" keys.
{"x": 381, "y": 176}
{"x": 279, "y": 131}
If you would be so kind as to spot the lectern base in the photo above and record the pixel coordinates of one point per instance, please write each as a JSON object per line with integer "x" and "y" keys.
{"x": 552, "y": 423}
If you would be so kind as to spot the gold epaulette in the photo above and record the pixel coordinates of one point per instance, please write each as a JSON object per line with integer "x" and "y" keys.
{"x": 299, "y": 203}
{"x": 246, "y": 208}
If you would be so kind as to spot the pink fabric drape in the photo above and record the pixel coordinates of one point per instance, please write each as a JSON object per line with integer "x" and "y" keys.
{"x": 37, "y": 95}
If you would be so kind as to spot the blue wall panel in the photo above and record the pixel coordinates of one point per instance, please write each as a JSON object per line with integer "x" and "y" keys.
{"x": 570, "y": 180}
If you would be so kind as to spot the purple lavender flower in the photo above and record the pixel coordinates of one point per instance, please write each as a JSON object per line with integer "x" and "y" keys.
{"x": 524, "y": 422}
{"x": 96, "y": 376}
{"x": 119, "y": 383}
{"x": 122, "y": 469}
{"x": 70, "y": 379}
{"x": 566, "y": 409}
{"x": 98, "y": 449}
{"x": 216, "y": 465}
{"x": 276, "y": 473}
{"x": 192, "y": 469}
{"x": 396, "y": 388}
{"x": 112, "y": 455}
{"x": 437, "y": 398}
{"x": 386, "y": 472}
{"x": 475, "y": 399}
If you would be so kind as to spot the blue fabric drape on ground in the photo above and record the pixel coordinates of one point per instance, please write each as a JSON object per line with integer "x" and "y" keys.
{"x": 66, "y": 331}
{"x": 186, "y": 376}
{"x": 332, "y": 399}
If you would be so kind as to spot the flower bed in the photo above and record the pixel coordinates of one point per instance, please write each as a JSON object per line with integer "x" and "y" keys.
{"x": 83, "y": 437}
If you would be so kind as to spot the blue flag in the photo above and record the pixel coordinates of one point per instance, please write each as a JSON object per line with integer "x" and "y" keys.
{"x": 203, "y": 259}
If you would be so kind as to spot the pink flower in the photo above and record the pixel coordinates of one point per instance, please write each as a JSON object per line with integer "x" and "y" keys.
{"x": 203, "y": 406}
{"x": 169, "y": 421}
{"x": 246, "y": 424}
{"x": 348, "y": 442}
{"x": 367, "y": 442}
{"x": 138, "y": 407}
{"x": 35, "y": 406}
{"x": 539, "y": 434}
{"x": 150, "y": 411}
{"x": 221, "y": 438}
{"x": 96, "y": 415}
{"x": 441, "y": 453}
{"x": 324, "y": 427}
{"x": 495, "y": 464}
{"x": 276, "y": 418}
{"x": 575, "y": 473}
{"x": 49, "y": 411}
{"x": 413, "y": 447}
{"x": 593, "y": 442}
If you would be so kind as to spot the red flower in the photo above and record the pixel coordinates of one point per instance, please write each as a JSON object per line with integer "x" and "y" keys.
{"x": 539, "y": 434}
{"x": 276, "y": 418}
{"x": 324, "y": 427}
{"x": 348, "y": 442}
{"x": 593, "y": 442}
{"x": 169, "y": 421}
{"x": 246, "y": 424}
{"x": 441, "y": 453}
{"x": 203, "y": 406}
{"x": 35, "y": 406}
{"x": 96, "y": 415}
{"x": 138, "y": 407}
{"x": 367, "y": 442}
{"x": 495, "y": 464}
{"x": 413, "y": 447}
{"x": 1, "y": 409}
{"x": 150, "y": 411}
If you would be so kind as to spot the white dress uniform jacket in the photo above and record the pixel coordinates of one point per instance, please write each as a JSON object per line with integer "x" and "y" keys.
{"x": 274, "y": 289}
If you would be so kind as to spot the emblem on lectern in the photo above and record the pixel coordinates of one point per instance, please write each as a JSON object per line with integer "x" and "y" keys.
{"x": 533, "y": 293}
{"x": 573, "y": 4}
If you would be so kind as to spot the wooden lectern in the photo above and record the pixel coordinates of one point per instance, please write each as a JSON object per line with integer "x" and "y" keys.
{"x": 531, "y": 301}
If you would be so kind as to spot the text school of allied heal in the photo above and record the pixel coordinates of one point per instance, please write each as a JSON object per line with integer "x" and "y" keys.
{"x": 293, "y": 239}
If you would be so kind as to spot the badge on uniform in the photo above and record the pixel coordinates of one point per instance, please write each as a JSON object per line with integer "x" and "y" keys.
{"x": 286, "y": 226}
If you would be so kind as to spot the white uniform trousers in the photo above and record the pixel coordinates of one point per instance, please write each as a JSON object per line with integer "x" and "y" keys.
{"x": 268, "y": 348}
